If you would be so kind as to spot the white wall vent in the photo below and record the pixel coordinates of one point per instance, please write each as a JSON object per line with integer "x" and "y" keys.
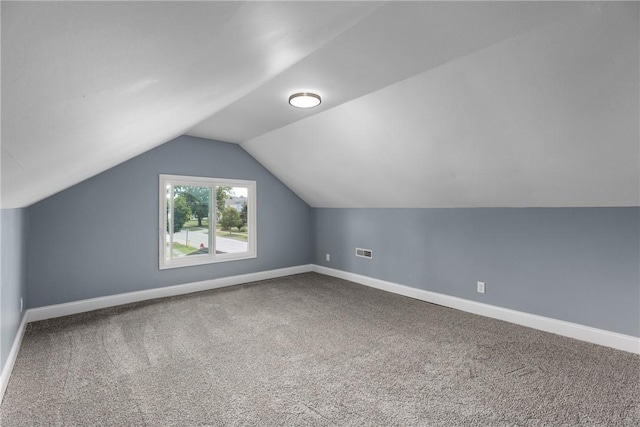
{"x": 364, "y": 253}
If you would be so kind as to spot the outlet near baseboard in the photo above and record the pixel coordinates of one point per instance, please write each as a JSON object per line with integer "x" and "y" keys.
{"x": 481, "y": 287}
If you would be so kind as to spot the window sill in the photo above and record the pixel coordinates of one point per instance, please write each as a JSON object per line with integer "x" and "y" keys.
{"x": 195, "y": 260}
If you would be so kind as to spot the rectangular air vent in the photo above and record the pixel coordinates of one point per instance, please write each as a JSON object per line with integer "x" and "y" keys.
{"x": 364, "y": 253}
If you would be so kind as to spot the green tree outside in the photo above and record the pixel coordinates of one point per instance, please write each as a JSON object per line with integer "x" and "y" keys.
{"x": 198, "y": 200}
{"x": 181, "y": 212}
{"x": 222, "y": 193}
{"x": 243, "y": 215}
{"x": 230, "y": 218}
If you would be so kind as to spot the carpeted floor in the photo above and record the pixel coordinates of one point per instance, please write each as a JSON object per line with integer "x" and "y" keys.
{"x": 311, "y": 350}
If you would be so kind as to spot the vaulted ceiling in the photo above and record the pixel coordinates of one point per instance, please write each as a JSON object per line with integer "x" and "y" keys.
{"x": 425, "y": 104}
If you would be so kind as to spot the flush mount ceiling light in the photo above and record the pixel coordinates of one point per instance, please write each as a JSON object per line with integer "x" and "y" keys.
{"x": 304, "y": 100}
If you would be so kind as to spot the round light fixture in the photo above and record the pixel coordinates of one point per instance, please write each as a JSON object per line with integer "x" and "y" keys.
{"x": 304, "y": 100}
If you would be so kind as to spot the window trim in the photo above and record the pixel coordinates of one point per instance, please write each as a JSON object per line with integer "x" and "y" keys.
{"x": 212, "y": 257}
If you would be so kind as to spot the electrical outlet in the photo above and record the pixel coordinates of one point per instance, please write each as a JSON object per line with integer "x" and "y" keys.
{"x": 481, "y": 287}
{"x": 21, "y": 305}
{"x": 328, "y": 257}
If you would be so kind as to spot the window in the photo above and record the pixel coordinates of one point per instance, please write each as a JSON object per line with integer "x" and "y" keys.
{"x": 206, "y": 220}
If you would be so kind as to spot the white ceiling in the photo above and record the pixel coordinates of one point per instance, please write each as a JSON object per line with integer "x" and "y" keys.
{"x": 425, "y": 104}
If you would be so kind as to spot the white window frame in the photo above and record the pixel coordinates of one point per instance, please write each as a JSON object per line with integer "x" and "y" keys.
{"x": 211, "y": 257}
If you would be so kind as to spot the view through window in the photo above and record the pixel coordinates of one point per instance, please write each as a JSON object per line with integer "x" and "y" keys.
{"x": 206, "y": 220}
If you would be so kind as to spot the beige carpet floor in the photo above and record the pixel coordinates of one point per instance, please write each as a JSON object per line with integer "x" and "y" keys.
{"x": 311, "y": 350}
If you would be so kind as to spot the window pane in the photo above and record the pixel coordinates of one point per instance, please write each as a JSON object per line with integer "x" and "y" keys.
{"x": 232, "y": 225}
{"x": 190, "y": 220}
{"x": 206, "y": 220}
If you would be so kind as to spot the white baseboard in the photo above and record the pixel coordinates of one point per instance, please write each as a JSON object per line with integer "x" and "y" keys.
{"x": 58, "y": 310}
{"x": 13, "y": 354}
{"x": 572, "y": 330}
{"x": 559, "y": 327}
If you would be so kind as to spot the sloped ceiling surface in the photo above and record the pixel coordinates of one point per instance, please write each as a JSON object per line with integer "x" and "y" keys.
{"x": 88, "y": 85}
{"x": 548, "y": 117}
{"x": 425, "y": 104}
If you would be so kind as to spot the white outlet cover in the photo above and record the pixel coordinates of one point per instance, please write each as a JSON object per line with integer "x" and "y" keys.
{"x": 328, "y": 257}
{"x": 481, "y": 287}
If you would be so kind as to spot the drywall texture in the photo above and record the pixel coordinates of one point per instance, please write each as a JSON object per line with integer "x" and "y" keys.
{"x": 13, "y": 235}
{"x": 575, "y": 264}
{"x": 100, "y": 237}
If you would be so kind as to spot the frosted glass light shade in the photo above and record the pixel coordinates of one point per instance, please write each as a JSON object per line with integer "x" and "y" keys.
{"x": 304, "y": 100}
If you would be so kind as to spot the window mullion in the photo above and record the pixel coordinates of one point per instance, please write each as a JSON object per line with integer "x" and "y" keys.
{"x": 212, "y": 222}
{"x": 171, "y": 222}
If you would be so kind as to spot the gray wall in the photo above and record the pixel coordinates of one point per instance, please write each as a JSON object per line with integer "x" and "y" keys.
{"x": 13, "y": 235}
{"x": 100, "y": 237}
{"x": 575, "y": 264}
